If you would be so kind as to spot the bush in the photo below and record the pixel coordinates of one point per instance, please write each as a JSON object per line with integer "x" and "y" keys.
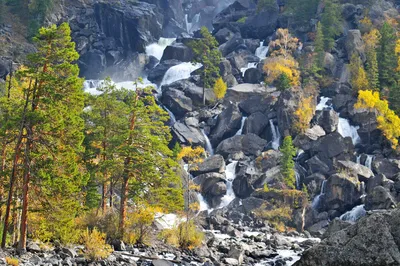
{"x": 95, "y": 245}
{"x": 220, "y": 88}
{"x": 276, "y": 216}
{"x": 138, "y": 225}
{"x": 12, "y": 261}
{"x": 107, "y": 223}
{"x": 242, "y": 20}
{"x": 184, "y": 236}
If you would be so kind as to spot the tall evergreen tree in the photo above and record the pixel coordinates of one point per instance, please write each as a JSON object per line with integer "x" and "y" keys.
{"x": 331, "y": 23}
{"x": 319, "y": 46}
{"x": 387, "y": 62}
{"x": 206, "y": 52}
{"x": 287, "y": 163}
{"x": 50, "y": 127}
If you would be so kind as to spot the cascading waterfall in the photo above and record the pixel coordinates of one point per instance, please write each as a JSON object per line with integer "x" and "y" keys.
{"x": 249, "y": 65}
{"x": 179, "y": 72}
{"x": 208, "y": 145}
{"x": 316, "y": 201}
{"x": 157, "y": 49}
{"x": 262, "y": 51}
{"x": 355, "y": 214}
{"x": 344, "y": 127}
{"x": 240, "y": 131}
{"x": 230, "y": 174}
{"x": 192, "y": 26}
{"x": 276, "y": 135}
{"x": 368, "y": 161}
{"x": 297, "y": 175}
{"x": 347, "y": 130}
{"x": 171, "y": 116}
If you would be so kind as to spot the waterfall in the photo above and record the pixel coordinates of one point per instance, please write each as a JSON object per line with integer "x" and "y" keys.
{"x": 323, "y": 103}
{"x": 249, "y": 65}
{"x": 344, "y": 127}
{"x": 179, "y": 72}
{"x": 297, "y": 175}
{"x": 240, "y": 131}
{"x": 355, "y": 214}
{"x": 316, "y": 201}
{"x": 157, "y": 49}
{"x": 203, "y": 204}
{"x": 358, "y": 159}
{"x": 90, "y": 86}
{"x": 171, "y": 115}
{"x": 276, "y": 135}
{"x": 347, "y": 130}
{"x": 208, "y": 145}
{"x": 262, "y": 51}
{"x": 230, "y": 173}
{"x": 368, "y": 161}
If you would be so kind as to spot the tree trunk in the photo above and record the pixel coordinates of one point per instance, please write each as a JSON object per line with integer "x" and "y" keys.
{"x": 104, "y": 197}
{"x": 25, "y": 196}
{"x": 111, "y": 193}
{"x": 204, "y": 96}
{"x": 124, "y": 200}
{"x": 3, "y": 168}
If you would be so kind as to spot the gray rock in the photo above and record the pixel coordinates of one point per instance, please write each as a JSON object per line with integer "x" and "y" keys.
{"x": 304, "y": 141}
{"x": 315, "y": 165}
{"x": 178, "y": 51}
{"x": 33, "y": 247}
{"x": 328, "y": 119}
{"x": 177, "y": 102}
{"x": 356, "y": 245}
{"x": 379, "y": 198}
{"x": 228, "y": 123}
{"x": 385, "y": 166}
{"x": 354, "y": 44}
{"x": 363, "y": 172}
{"x": 253, "y": 76}
{"x": 256, "y": 104}
{"x": 161, "y": 263}
{"x": 249, "y": 144}
{"x": 255, "y": 123}
{"x": 187, "y": 135}
{"x": 215, "y": 163}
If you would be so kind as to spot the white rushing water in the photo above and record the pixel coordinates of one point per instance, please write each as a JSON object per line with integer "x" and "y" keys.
{"x": 203, "y": 203}
{"x": 368, "y": 161}
{"x": 240, "y": 131}
{"x": 276, "y": 135}
{"x": 347, "y": 130}
{"x": 297, "y": 175}
{"x": 157, "y": 49}
{"x": 91, "y": 86}
{"x": 208, "y": 145}
{"x": 316, "y": 201}
{"x": 262, "y": 51}
{"x": 249, "y": 65}
{"x": 355, "y": 214}
{"x": 230, "y": 174}
{"x": 179, "y": 72}
{"x": 344, "y": 127}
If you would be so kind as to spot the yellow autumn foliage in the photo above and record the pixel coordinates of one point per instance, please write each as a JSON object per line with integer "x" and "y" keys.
{"x": 191, "y": 155}
{"x": 95, "y": 244}
{"x": 220, "y": 88}
{"x": 388, "y": 121}
{"x": 304, "y": 114}
{"x": 284, "y": 44}
{"x": 358, "y": 79}
{"x": 274, "y": 67}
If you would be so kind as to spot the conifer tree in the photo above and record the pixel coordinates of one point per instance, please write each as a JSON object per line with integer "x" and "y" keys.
{"x": 387, "y": 62}
{"x": 287, "y": 163}
{"x": 206, "y": 52}
{"x": 319, "y": 46}
{"x": 371, "y": 40}
{"x": 50, "y": 126}
{"x": 331, "y": 23}
{"x": 358, "y": 79}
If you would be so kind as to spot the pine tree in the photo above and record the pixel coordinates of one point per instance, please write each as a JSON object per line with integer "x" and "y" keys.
{"x": 371, "y": 40}
{"x": 50, "y": 127}
{"x": 147, "y": 175}
{"x": 303, "y": 10}
{"x": 331, "y": 23}
{"x": 319, "y": 47}
{"x": 387, "y": 62}
{"x": 358, "y": 79}
{"x": 206, "y": 52}
{"x": 287, "y": 163}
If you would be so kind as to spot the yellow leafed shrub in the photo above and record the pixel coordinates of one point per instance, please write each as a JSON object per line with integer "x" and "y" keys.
{"x": 12, "y": 261}
{"x": 185, "y": 235}
{"x": 220, "y": 88}
{"x": 95, "y": 244}
{"x": 304, "y": 114}
{"x": 138, "y": 224}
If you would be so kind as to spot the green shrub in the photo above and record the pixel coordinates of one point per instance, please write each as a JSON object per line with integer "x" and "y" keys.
{"x": 242, "y": 20}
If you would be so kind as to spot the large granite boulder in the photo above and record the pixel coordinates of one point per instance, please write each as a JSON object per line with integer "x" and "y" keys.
{"x": 362, "y": 172}
{"x": 379, "y": 198}
{"x": 178, "y": 51}
{"x": 328, "y": 119}
{"x": 177, "y": 102}
{"x": 215, "y": 163}
{"x": 388, "y": 167}
{"x": 228, "y": 123}
{"x": 255, "y": 123}
{"x": 249, "y": 144}
{"x": 373, "y": 240}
